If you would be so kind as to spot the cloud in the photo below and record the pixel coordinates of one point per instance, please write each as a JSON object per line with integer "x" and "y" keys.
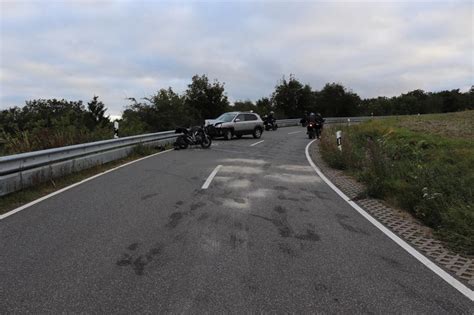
{"x": 119, "y": 49}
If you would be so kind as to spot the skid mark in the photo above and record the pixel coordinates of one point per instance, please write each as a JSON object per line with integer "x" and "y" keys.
{"x": 203, "y": 216}
{"x": 283, "y": 197}
{"x": 145, "y": 197}
{"x": 138, "y": 262}
{"x": 309, "y": 236}
{"x": 342, "y": 220}
{"x": 197, "y": 205}
{"x": 174, "y": 219}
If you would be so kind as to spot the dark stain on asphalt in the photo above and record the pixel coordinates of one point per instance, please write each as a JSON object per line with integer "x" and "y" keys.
{"x": 303, "y": 210}
{"x": 352, "y": 229}
{"x": 197, "y": 205}
{"x": 306, "y": 199}
{"x": 216, "y": 202}
{"x": 194, "y": 178}
{"x": 145, "y": 197}
{"x": 309, "y": 236}
{"x": 235, "y": 241}
{"x": 203, "y": 216}
{"x": 286, "y": 248}
{"x": 249, "y": 282}
{"x": 174, "y": 219}
{"x": 341, "y": 216}
{"x": 321, "y": 194}
{"x": 284, "y": 229}
{"x": 133, "y": 246}
{"x": 138, "y": 262}
{"x": 280, "y": 188}
{"x": 392, "y": 262}
{"x": 238, "y": 225}
{"x": 320, "y": 287}
{"x": 282, "y": 197}
{"x": 279, "y": 209}
{"x": 179, "y": 203}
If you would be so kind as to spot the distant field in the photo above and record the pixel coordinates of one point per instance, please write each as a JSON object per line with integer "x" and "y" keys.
{"x": 423, "y": 164}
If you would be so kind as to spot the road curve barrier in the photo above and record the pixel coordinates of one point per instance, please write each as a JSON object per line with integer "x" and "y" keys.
{"x": 23, "y": 170}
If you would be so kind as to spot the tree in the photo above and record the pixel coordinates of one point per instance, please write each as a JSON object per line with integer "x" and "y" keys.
{"x": 96, "y": 113}
{"x": 206, "y": 100}
{"x": 264, "y": 106}
{"x": 291, "y": 98}
{"x": 334, "y": 100}
{"x": 244, "y": 106}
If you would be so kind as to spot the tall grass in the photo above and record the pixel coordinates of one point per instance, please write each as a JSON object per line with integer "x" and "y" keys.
{"x": 425, "y": 173}
{"x": 40, "y": 139}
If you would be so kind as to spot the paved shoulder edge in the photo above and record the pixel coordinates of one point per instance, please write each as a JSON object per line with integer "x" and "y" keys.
{"x": 407, "y": 247}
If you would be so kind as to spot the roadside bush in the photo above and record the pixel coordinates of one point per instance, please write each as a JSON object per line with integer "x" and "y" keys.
{"x": 427, "y": 175}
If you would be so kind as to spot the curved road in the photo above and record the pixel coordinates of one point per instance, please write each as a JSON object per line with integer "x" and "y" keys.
{"x": 267, "y": 235}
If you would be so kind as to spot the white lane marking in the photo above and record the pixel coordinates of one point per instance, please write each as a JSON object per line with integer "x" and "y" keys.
{"x": 423, "y": 259}
{"x": 211, "y": 177}
{"x": 292, "y": 133}
{"x": 256, "y": 143}
{"x": 5, "y": 215}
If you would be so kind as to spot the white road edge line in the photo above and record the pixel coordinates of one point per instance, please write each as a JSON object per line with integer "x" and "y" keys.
{"x": 256, "y": 143}
{"x": 11, "y": 212}
{"x": 293, "y": 132}
{"x": 211, "y": 177}
{"x": 423, "y": 259}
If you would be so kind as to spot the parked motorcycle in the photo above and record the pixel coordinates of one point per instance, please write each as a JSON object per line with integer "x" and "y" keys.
{"x": 270, "y": 123}
{"x": 193, "y": 136}
{"x": 314, "y": 129}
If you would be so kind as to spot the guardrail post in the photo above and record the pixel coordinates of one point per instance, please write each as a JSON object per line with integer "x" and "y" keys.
{"x": 339, "y": 139}
{"x": 116, "y": 127}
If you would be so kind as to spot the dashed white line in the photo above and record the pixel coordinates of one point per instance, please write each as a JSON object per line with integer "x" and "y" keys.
{"x": 407, "y": 247}
{"x": 211, "y": 177}
{"x": 256, "y": 143}
{"x": 292, "y": 133}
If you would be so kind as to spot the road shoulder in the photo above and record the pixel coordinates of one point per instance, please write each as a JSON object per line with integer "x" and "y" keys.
{"x": 400, "y": 223}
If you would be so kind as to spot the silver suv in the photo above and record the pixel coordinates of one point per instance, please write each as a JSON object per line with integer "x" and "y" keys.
{"x": 236, "y": 124}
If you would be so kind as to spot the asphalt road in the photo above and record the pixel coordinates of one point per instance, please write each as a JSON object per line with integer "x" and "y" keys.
{"x": 267, "y": 235}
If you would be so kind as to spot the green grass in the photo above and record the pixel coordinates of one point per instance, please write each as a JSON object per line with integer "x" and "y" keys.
{"x": 422, "y": 164}
{"x": 19, "y": 198}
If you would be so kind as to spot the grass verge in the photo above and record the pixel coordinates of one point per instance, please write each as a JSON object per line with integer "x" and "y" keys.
{"x": 422, "y": 164}
{"x": 19, "y": 198}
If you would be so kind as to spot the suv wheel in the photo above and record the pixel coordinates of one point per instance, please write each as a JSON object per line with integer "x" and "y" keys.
{"x": 257, "y": 133}
{"x": 228, "y": 134}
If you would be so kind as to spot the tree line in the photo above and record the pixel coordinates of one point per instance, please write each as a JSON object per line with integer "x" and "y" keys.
{"x": 42, "y": 124}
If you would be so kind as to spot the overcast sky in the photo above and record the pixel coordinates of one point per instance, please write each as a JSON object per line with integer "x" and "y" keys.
{"x": 119, "y": 49}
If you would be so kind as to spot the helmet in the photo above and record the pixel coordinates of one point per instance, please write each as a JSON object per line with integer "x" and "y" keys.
{"x": 312, "y": 114}
{"x": 271, "y": 112}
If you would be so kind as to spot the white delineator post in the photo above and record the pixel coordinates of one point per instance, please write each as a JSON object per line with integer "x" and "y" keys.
{"x": 339, "y": 139}
{"x": 116, "y": 127}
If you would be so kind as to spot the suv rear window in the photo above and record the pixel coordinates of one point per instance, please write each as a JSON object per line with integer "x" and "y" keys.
{"x": 249, "y": 117}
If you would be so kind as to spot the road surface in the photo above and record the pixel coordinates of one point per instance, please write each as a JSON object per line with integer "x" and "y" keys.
{"x": 266, "y": 235}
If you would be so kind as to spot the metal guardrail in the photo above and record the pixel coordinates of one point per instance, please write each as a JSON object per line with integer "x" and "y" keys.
{"x": 24, "y": 161}
{"x": 329, "y": 120}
